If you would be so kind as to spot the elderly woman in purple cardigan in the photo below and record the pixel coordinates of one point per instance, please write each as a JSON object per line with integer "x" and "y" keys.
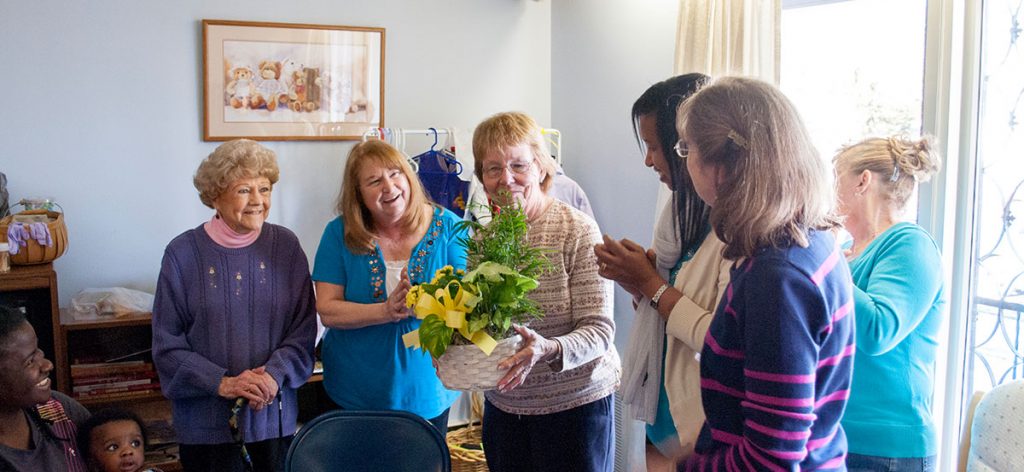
{"x": 234, "y": 319}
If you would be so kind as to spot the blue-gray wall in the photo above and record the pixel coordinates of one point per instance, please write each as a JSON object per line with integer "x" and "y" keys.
{"x": 102, "y": 109}
{"x": 604, "y": 54}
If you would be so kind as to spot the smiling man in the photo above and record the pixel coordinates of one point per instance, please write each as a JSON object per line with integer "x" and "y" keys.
{"x": 37, "y": 425}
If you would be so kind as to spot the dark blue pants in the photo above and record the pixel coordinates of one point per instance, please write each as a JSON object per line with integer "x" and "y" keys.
{"x": 267, "y": 456}
{"x": 861, "y": 463}
{"x": 580, "y": 439}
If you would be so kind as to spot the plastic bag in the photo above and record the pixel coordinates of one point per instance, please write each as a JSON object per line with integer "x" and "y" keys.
{"x": 92, "y": 303}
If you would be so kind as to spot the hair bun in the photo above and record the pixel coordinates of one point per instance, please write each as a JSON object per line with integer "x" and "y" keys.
{"x": 915, "y": 158}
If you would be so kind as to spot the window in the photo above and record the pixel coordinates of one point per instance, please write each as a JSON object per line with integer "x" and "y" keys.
{"x": 848, "y": 80}
{"x": 996, "y": 351}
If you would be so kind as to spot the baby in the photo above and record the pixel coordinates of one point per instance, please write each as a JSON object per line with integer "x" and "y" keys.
{"x": 113, "y": 440}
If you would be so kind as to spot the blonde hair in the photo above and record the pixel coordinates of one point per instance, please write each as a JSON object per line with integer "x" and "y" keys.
{"x": 773, "y": 186}
{"x": 233, "y": 160}
{"x": 360, "y": 236}
{"x": 511, "y": 129}
{"x": 900, "y": 162}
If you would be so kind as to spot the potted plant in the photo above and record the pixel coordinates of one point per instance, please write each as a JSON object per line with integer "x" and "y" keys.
{"x": 468, "y": 315}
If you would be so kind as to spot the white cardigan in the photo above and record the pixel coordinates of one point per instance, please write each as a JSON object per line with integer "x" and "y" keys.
{"x": 702, "y": 281}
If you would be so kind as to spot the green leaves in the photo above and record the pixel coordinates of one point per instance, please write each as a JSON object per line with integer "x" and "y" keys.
{"x": 503, "y": 241}
{"x": 435, "y": 336}
{"x": 505, "y": 268}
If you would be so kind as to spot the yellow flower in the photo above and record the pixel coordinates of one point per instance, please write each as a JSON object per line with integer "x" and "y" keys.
{"x": 441, "y": 273}
{"x": 412, "y": 296}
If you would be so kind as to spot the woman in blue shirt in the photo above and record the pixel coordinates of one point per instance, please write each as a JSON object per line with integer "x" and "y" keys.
{"x": 897, "y": 273}
{"x": 388, "y": 236}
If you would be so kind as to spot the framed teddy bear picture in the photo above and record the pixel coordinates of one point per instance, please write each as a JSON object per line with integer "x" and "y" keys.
{"x": 281, "y": 81}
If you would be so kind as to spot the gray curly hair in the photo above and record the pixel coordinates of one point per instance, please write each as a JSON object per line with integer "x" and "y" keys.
{"x": 233, "y": 160}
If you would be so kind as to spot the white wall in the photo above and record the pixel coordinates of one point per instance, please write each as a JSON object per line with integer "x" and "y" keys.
{"x": 102, "y": 109}
{"x": 604, "y": 54}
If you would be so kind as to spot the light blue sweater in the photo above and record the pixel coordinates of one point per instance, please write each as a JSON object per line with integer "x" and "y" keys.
{"x": 899, "y": 308}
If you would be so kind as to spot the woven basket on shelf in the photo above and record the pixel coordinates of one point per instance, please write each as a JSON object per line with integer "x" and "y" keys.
{"x": 466, "y": 444}
{"x": 34, "y": 253}
{"x": 466, "y": 367}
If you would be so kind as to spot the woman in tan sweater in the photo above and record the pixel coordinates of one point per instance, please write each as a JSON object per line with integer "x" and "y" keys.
{"x": 553, "y": 411}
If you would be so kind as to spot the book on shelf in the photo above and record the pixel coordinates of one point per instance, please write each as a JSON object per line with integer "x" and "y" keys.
{"x": 111, "y": 368}
{"x": 86, "y": 362}
{"x": 114, "y": 396}
{"x": 114, "y": 378}
{"x": 111, "y": 385}
{"x": 126, "y": 388}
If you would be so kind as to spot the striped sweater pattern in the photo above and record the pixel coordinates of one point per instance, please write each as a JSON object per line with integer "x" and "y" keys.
{"x": 577, "y": 306}
{"x": 777, "y": 363}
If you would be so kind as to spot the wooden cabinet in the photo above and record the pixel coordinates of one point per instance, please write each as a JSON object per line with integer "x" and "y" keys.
{"x": 34, "y": 289}
{"x": 119, "y": 340}
{"x": 118, "y": 347}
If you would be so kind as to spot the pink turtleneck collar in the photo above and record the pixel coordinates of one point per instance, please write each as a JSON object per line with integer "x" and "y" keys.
{"x": 222, "y": 234}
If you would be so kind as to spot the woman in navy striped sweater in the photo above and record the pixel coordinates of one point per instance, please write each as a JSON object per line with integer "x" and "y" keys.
{"x": 776, "y": 363}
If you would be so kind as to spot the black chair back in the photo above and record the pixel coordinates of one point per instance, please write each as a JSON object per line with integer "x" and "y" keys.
{"x": 370, "y": 441}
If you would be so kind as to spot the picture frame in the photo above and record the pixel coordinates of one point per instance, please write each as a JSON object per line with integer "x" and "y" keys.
{"x": 290, "y": 82}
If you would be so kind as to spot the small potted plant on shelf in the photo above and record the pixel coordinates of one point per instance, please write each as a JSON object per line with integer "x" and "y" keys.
{"x": 468, "y": 315}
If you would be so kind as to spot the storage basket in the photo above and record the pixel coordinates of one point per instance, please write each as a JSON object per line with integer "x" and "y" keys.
{"x": 466, "y": 367}
{"x": 34, "y": 253}
{"x": 466, "y": 444}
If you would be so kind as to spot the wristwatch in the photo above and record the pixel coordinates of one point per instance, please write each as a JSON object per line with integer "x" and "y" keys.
{"x": 657, "y": 296}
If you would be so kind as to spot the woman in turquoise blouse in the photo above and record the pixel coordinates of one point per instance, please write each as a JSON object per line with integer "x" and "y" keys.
{"x": 388, "y": 236}
{"x": 898, "y": 294}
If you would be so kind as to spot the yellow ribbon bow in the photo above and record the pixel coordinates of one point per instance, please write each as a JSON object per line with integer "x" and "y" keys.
{"x": 453, "y": 311}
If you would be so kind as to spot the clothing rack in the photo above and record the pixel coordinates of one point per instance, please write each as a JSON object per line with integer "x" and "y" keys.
{"x": 396, "y": 137}
{"x": 381, "y": 133}
{"x": 554, "y": 137}
{"x": 551, "y": 135}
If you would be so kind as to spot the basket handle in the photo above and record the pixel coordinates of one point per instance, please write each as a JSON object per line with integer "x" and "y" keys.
{"x": 21, "y": 202}
{"x": 25, "y": 205}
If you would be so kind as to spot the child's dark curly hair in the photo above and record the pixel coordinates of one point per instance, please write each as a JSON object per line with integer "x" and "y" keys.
{"x": 101, "y": 418}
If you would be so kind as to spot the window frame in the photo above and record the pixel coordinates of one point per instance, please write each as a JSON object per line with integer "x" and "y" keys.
{"x": 946, "y": 204}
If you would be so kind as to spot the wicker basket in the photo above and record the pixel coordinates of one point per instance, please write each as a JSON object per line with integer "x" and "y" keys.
{"x": 466, "y": 367}
{"x": 466, "y": 444}
{"x": 34, "y": 253}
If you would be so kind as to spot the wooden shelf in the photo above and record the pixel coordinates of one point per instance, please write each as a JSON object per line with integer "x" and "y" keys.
{"x": 88, "y": 402}
{"x": 27, "y": 277}
{"x": 69, "y": 323}
{"x": 106, "y": 338}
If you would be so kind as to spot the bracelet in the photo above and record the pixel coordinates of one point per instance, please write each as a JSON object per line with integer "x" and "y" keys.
{"x": 657, "y": 296}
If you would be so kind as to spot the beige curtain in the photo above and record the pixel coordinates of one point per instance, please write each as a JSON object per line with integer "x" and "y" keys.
{"x": 729, "y": 37}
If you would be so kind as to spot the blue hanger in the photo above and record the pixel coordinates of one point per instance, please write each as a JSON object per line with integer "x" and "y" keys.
{"x": 432, "y": 146}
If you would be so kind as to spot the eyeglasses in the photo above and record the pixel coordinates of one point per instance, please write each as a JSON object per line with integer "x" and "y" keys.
{"x": 681, "y": 149}
{"x": 515, "y": 167}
